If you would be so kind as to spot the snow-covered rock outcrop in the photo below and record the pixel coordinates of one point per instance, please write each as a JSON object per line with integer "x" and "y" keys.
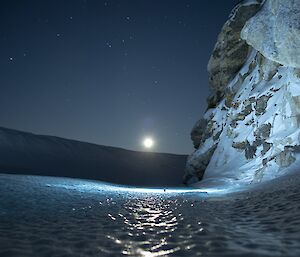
{"x": 251, "y": 130}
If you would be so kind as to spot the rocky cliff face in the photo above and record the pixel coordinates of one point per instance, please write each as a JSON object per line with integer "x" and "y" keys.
{"x": 251, "y": 129}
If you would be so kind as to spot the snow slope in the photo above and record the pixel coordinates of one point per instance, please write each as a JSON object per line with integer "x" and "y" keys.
{"x": 26, "y": 153}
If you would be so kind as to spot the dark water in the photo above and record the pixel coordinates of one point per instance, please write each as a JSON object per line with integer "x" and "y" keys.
{"x": 65, "y": 217}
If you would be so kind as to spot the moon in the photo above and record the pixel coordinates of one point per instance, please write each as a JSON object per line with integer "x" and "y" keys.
{"x": 148, "y": 142}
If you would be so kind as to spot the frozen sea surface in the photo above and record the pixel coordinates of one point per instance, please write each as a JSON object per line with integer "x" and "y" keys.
{"x": 44, "y": 216}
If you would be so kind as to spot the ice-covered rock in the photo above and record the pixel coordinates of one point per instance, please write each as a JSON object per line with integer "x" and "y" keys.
{"x": 253, "y": 132}
{"x": 230, "y": 52}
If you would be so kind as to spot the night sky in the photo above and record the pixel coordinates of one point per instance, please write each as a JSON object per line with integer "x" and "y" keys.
{"x": 108, "y": 72}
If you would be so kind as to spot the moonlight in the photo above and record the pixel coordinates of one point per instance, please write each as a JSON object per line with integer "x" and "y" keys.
{"x": 148, "y": 142}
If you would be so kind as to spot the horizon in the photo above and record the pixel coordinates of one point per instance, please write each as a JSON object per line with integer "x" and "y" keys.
{"x": 91, "y": 143}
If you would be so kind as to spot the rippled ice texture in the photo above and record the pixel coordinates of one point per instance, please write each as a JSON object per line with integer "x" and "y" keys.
{"x": 43, "y": 216}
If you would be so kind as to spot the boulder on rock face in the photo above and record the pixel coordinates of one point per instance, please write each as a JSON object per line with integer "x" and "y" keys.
{"x": 230, "y": 52}
{"x": 275, "y": 31}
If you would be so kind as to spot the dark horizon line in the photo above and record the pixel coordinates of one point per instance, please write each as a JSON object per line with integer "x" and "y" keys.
{"x": 86, "y": 142}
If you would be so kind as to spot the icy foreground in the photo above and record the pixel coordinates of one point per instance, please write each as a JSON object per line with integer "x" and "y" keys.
{"x": 44, "y": 216}
{"x": 250, "y": 132}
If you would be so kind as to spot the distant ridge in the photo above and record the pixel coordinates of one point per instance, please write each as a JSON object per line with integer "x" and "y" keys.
{"x": 27, "y": 153}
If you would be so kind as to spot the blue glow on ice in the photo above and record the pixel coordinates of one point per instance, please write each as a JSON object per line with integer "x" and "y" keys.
{"x": 99, "y": 187}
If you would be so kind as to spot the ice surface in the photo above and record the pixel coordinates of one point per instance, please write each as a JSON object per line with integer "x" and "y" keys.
{"x": 44, "y": 216}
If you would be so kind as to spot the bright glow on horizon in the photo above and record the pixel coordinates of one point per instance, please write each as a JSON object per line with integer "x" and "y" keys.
{"x": 103, "y": 187}
{"x": 148, "y": 142}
